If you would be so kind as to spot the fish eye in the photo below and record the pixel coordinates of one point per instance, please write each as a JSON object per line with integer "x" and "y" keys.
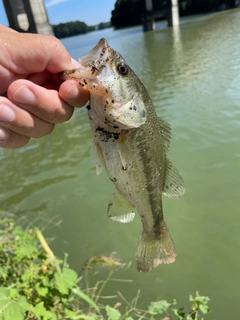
{"x": 122, "y": 68}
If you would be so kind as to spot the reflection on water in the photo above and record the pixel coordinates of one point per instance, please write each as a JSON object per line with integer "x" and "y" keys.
{"x": 192, "y": 74}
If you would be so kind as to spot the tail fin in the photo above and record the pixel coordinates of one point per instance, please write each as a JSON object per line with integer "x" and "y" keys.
{"x": 153, "y": 251}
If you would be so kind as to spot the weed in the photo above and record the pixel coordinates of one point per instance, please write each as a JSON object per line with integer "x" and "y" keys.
{"x": 35, "y": 285}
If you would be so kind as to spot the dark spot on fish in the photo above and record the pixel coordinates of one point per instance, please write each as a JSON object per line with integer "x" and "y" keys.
{"x": 82, "y": 85}
{"x": 93, "y": 69}
{"x": 106, "y": 90}
{"x": 134, "y": 107}
{"x": 84, "y": 80}
{"x": 88, "y": 107}
{"x": 143, "y": 113}
{"x": 124, "y": 169}
{"x": 115, "y": 127}
{"x": 105, "y": 135}
{"x": 112, "y": 101}
{"x": 113, "y": 179}
{"x": 130, "y": 108}
{"x": 106, "y": 102}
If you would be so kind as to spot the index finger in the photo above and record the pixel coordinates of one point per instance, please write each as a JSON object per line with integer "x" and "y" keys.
{"x": 27, "y": 53}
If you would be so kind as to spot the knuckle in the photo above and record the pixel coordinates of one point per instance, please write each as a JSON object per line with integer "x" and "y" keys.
{"x": 56, "y": 114}
{"x": 44, "y": 132}
{"x": 60, "y": 114}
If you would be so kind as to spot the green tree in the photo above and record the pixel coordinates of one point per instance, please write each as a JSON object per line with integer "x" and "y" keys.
{"x": 72, "y": 28}
{"x": 130, "y": 12}
{"x": 127, "y": 13}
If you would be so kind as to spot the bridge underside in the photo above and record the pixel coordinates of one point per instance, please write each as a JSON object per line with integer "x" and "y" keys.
{"x": 28, "y": 16}
{"x": 171, "y": 14}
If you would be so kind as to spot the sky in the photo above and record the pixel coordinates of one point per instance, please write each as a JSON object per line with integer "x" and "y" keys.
{"x": 91, "y": 12}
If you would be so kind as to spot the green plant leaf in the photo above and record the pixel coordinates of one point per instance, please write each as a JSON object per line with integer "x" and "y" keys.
{"x": 158, "y": 307}
{"x": 65, "y": 279}
{"x": 12, "y": 308}
{"x": 13, "y": 293}
{"x": 24, "y": 251}
{"x": 85, "y": 298}
{"x": 18, "y": 231}
{"x": 42, "y": 291}
{"x": 204, "y": 309}
{"x": 71, "y": 314}
{"x": 113, "y": 314}
{"x": 40, "y": 311}
{"x": 83, "y": 316}
{"x": 176, "y": 313}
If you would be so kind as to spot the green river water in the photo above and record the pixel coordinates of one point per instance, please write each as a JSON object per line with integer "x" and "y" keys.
{"x": 192, "y": 73}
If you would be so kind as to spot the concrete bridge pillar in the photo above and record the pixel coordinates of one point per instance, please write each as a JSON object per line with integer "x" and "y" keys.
{"x": 173, "y": 13}
{"x": 148, "y": 20}
{"x": 28, "y": 16}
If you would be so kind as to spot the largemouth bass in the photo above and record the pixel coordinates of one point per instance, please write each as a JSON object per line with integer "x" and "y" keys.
{"x": 131, "y": 142}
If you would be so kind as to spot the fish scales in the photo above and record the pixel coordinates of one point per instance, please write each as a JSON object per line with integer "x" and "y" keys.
{"x": 131, "y": 142}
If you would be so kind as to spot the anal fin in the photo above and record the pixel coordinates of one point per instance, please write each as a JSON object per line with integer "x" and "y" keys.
{"x": 173, "y": 184}
{"x": 119, "y": 209}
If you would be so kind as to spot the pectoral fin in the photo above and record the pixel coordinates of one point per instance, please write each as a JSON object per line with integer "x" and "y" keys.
{"x": 119, "y": 209}
{"x": 96, "y": 157}
{"x": 124, "y": 150}
{"x": 173, "y": 185}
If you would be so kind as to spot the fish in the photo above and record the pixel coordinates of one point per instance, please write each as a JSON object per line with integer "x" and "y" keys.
{"x": 132, "y": 143}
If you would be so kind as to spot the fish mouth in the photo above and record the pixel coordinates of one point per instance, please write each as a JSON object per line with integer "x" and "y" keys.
{"x": 94, "y": 54}
{"x": 90, "y": 65}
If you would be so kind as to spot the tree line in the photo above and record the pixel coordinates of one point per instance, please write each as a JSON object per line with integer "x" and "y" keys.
{"x": 130, "y": 12}
{"x": 73, "y": 28}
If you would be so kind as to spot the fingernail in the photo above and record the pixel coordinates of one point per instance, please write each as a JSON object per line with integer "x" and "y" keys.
{"x": 24, "y": 96}
{"x": 6, "y": 113}
{"x": 4, "y": 134}
{"x": 72, "y": 92}
{"x": 75, "y": 63}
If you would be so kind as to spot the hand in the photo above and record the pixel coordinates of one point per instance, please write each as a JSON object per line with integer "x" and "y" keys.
{"x": 32, "y": 97}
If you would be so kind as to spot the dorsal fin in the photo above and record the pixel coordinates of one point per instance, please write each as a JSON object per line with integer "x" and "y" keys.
{"x": 165, "y": 130}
